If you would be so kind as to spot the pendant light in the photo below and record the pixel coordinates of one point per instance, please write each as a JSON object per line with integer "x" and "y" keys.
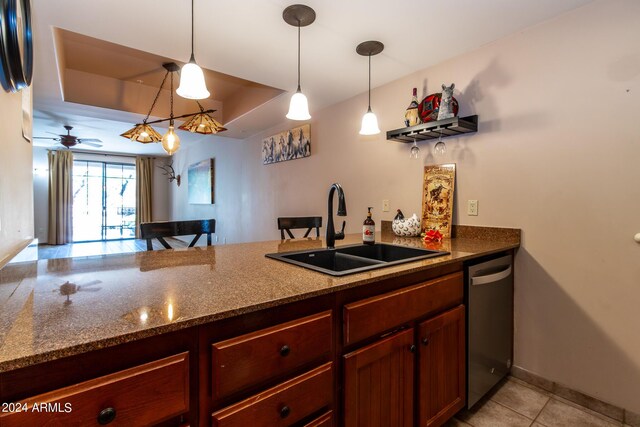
{"x": 171, "y": 141}
{"x": 192, "y": 85}
{"x": 299, "y": 15}
{"x": 369, "y": 120}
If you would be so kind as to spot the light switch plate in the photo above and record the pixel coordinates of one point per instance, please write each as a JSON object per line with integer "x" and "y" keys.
{"x": 385, "y": 205}
{"x": 472, "y": 207}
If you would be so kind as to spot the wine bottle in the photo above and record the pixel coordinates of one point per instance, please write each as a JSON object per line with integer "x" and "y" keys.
{"x": 412, "y": 116}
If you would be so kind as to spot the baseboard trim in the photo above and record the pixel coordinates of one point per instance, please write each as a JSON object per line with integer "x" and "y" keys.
{"x": 612, "y": 411}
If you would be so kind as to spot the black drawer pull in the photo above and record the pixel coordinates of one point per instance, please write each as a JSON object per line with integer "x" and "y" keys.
{"x": 106, "y": 416}
{"x": 285, "y": 350}
{"x": 285, "y": 411}
{"x": 425, "y": 341}
{"x": 413, "y": 348}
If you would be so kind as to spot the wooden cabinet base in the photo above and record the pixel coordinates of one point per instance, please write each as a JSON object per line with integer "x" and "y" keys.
{"x": 282, "y": 405}
{"x": 441, "y": 367}
{"x": 378, "y": 382}
{"x": 143, "y": 395}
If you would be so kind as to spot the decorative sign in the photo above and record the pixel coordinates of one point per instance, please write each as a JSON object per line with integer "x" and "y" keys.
{"x": 437, "y": 198}
{"x": 288, "y": 145}
{"x": 201, "y": 182}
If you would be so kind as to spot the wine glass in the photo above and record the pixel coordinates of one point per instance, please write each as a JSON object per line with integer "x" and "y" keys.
{"x": 415, "y": 150}
{"x": 440, "y": 148}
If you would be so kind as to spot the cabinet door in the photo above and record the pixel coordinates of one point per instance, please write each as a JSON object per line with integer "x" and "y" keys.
{"x": 441, "y": 367}
{"x": 378, "y": 389}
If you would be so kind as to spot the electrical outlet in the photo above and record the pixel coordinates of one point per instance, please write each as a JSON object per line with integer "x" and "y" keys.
{"x": 472, "y": 207}
{"x": 385, "y": 205}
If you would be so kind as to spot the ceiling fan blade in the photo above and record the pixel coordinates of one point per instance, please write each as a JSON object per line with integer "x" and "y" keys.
{"x": 44, "y": 137}
{"x": 89, "y": 140}
{"x": 91, "y": 144}
{"x": 56, "y": 134}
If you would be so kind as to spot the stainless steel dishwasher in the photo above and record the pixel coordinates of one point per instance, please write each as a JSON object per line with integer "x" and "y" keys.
{"x": 489, "y": 325}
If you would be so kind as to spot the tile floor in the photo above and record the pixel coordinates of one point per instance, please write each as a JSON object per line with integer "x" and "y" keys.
{"x": 515, "y": 403}
{"x": 109, "y": 247}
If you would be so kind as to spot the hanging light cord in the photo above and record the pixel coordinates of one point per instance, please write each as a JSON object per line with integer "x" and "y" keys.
{"x": 171, "y": 103}
{"x": 157, "y": 96}
{"x": 298, "y": 55}
{"x": 192, "y": 56}
{"x": 369, "y": 82}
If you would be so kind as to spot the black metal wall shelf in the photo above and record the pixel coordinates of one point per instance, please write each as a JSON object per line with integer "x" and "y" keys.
{"x": 432, "y": 130}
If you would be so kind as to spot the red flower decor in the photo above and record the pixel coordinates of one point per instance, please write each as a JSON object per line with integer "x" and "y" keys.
{"x": 433, "y": 236}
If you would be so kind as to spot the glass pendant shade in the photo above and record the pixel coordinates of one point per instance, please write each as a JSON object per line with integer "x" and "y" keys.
{"x": 142, "y": 133}
{"x": 299, "y": 107}
{"x": 170, "y": 141}
{"x": 202, "y": 123}
{"x": 192, "y": 85}
{"x": 369, "y": 124}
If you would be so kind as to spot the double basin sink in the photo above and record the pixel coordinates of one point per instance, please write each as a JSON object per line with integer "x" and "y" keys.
{"x": 355, "y": 259}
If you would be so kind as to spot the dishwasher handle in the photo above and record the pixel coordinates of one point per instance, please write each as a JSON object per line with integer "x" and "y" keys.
{"x": 491, "y": 278}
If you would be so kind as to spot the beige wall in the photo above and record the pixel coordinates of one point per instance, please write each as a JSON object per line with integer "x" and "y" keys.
{"x": 16, "y": 194}
{"x": 161, "y": 202}
{"x": 556, "y": 154}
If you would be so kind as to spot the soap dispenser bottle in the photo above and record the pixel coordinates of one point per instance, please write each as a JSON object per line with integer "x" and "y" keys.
{"x": 369, "y": 229}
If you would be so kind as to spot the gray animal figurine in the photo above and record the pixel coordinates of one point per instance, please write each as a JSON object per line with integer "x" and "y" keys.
{"x": 446, "y": 103}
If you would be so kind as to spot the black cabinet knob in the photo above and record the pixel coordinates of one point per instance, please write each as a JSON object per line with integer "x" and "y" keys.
{"x": 413, "y": 348}
{"x": 285, "y": 350}
{"x": 285, "y": 411}
{"x": 425, "y": 341}
{"x": 106, "y": 416}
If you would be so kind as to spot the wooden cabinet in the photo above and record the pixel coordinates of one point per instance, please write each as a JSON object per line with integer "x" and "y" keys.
{"x": 378, "y": 383}
{"x": 375, "y": 315}
{"x": 143, "y": 395}
{"x": 441, "y": 367}
{"x": 282, "y": 405}
{"x": 255, "y": 357}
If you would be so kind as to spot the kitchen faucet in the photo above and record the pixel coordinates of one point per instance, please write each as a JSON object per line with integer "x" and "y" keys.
{"x": 332, "y": 236}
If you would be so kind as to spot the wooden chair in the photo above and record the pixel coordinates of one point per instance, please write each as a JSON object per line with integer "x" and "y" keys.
{"x": 160, "y": 230}
{"x": 289, "y": 223}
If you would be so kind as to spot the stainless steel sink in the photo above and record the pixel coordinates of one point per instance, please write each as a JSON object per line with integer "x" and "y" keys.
{"x": 354, "y": 259}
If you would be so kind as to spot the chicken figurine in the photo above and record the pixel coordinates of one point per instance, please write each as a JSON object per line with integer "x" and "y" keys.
{"x": 402, "y": 226}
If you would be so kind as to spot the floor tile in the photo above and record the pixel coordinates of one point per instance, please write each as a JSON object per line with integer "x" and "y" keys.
{"x": 454, "y": 422}
{"x": 521, "y": 399}
{"x": 632, "y": 419}
{"x": 561, "y": 414}
{"x": 492, "y": 414}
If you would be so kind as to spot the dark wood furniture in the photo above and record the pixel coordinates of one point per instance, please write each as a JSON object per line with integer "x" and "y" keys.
{"x": 290, "y": 223}
{"x": 160, "y": 230}
{"x": 388, "y": 353}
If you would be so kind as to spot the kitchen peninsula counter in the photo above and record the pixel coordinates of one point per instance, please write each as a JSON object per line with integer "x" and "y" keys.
{"x": 51, "y": 309}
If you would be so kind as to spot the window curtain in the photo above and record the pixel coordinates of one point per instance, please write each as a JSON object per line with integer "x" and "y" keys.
{"x": 144, "y": 178}
{"x": 60, "y": 198}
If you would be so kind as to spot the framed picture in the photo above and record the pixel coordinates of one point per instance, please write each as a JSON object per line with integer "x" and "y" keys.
{"x": 201, "y": 182}
{"x": 288, "y": 145}
{"x": 438, "y": 186}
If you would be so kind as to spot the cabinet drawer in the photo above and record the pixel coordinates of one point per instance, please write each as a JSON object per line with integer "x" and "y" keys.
{"x": 261, "y": 355}
{"x": 324, "y": 420}
{"x": 143, "y": 395}
{"x": 282, "y": 405}
{"x": 372, "y": 316}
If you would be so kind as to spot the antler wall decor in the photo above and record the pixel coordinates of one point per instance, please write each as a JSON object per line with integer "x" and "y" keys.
{"x": 170, "y": 173}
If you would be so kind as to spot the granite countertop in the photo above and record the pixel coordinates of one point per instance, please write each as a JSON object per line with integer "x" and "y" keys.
{"x": 61, "y": 307}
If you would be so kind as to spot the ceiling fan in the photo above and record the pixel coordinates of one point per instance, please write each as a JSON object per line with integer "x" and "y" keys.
{"x": 69, "y": 140}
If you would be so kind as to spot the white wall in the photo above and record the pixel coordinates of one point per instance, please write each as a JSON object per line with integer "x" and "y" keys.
{"x": 556, "y": 154}
{"x": 16, "y": 191}
{"x": 161, "y": 196}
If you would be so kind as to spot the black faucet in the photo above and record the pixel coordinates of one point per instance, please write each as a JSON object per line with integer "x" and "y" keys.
{"x": 332, "y": 236}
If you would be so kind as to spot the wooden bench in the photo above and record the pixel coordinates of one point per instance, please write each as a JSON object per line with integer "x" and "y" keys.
{"x": 160, "y": 230}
